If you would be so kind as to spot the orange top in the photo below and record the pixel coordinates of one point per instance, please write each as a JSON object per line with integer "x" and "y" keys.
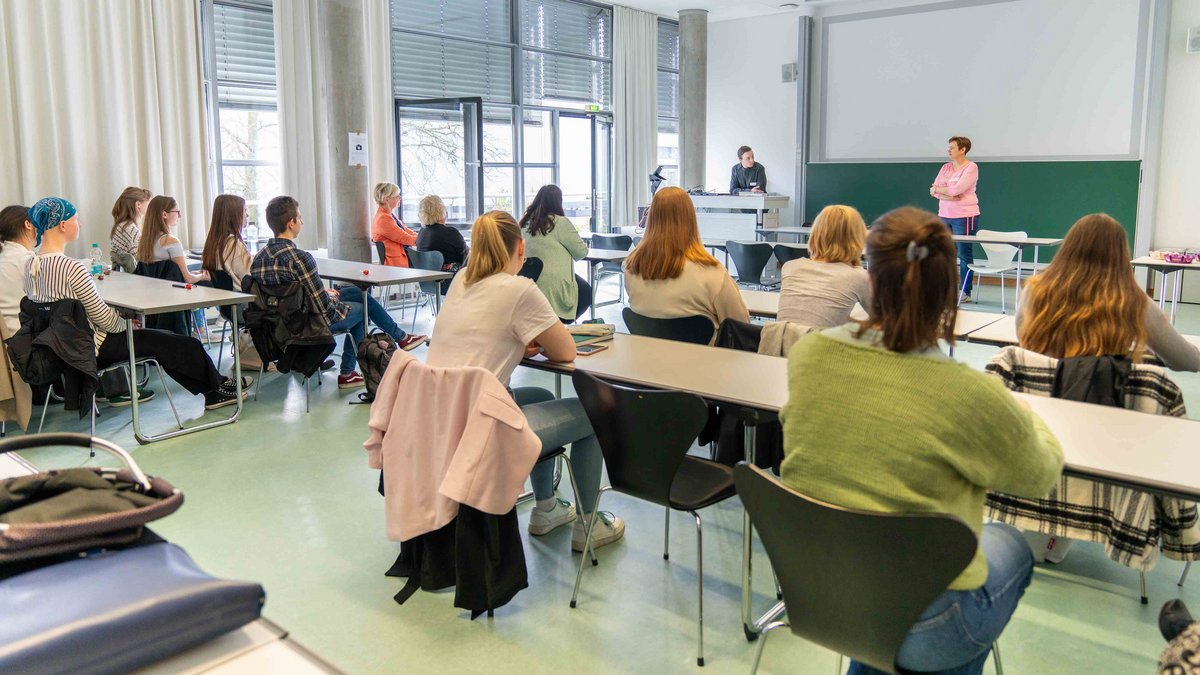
{"x": 395, "y": 237}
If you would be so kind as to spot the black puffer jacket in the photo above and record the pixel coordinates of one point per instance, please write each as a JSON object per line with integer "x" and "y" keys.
{"x": 55, "y": 340}
{"x": 285, "y": 329}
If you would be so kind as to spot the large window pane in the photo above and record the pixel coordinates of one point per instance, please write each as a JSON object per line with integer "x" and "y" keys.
{"x": 668, "y": 149}
{"x": 539, "y": 137}
{"x": 431, "y": 67}
{"x": 498, "y": 136}
{"x": 668, "y": 45}
{"x": 249, "y": 135}
{"x": 432, "y": 160}
{"x": 498, "y": 189}
{"x": 480, "y": 19}
{"x": 565, "y": 81}
{"x": 256, "y": 184}
{"x": 535, "y": 178}
{"x": 668, "y": 94}
{"x": 575, "y": 171}
{"x": 565, "y": 26}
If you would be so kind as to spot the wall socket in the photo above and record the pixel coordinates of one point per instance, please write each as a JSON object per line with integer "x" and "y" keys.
{"x": 790, "y": 71}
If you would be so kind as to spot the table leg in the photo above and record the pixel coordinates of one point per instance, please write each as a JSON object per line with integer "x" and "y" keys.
{"x": 133, "y": 390}
{"x": 595, "y": 290}
{"x": 1162, "y": 288}
{"x": 1020, "y": 266}
{"x": 748, "y": 624}
{"x": 366, "y": 296}
{"x": 1178, "y": 274}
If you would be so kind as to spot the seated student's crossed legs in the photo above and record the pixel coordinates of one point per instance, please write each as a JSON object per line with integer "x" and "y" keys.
{"x": 557, "y": 423}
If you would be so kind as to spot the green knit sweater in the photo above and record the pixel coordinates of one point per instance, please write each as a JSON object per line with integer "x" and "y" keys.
{"x": 876, "y": 430}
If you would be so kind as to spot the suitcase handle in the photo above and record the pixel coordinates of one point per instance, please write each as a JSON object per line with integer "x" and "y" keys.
{"x": 77, "y": 440}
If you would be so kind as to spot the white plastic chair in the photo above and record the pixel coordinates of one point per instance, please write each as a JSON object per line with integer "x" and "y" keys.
{"x": 999, "y": 261}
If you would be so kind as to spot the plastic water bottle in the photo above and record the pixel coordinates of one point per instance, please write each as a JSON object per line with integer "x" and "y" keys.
{"x": 250, "y": 234}
{"x": 97, "y": 261}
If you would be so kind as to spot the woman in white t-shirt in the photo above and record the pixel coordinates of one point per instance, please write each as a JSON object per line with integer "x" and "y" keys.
{"x": 492, "y": 318}
{"x": 670, "y": 274}
{"x": 821, "y": 291}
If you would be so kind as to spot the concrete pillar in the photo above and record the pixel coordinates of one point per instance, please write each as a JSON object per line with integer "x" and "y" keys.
{"x": 344, "y": 77}
{"x": 693, "y": 95}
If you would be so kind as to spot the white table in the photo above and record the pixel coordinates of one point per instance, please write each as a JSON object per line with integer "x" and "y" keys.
{"x": 144, "y": 295}
{"x": 1021, "y": 243}
{"x": 1001, "y": 333}
{"x": 967, "y": 322}
{"x": 763, "y": 232}
{"x": 595, "y": 257}
{"x": 763, "y": 304}
{"x": 1166, "y": 269}
{"x": 726, "y": 216}
{"x": 368, "y": 275}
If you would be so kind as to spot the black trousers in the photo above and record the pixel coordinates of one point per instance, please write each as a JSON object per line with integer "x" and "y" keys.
{"x": 585, "y": 296}
{"x": 182, "y": 356}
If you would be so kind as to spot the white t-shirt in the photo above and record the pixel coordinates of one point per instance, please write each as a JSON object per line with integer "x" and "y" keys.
{"x": 12, "y": 274}
{"x": 489, "y": 323}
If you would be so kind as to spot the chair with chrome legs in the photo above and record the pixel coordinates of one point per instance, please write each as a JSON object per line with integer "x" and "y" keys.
{"x": 853, "y": 581}
{"x": 750, "y": 259}
{"x": 649, "y": 460}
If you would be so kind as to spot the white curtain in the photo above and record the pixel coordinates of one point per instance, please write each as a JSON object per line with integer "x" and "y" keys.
{"x": 98, "y": 95}
{"x": 301, "y": 82}
{"x": 635, "y": 101}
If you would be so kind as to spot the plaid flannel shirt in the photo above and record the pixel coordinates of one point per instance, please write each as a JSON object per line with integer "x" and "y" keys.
{"x": 282, "y": 262}
{"x": 1131, "y": 524}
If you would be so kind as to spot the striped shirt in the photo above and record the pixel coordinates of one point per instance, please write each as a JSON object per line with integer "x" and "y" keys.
{"x": 125, "y": 239}
{"x": 52, "y": 277}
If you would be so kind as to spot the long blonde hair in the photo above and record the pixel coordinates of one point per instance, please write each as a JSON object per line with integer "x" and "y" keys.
{"x": 839, "y": 235}
{"x": 494, "y": 238}
{"x": 124, "y": 210}
{"x": 154, "y": 226}
{"x": 1086, "y": 302}
{"x": 672, "y": 238}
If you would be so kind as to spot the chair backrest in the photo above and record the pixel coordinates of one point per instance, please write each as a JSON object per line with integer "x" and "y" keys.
{"x": 224, "y": 281}
{"x": 612, "y": 242}
{"x": 532, "y": 269}
{"x": 1000, "y": 255}
{"x": 749, "y": 258}
{"x": 642, "y": 455}
{"x": 694, "y": 329}
{"x": 426, "y": 260}
{"x": 786, "y": 253}
{"x": 853, "y": 581}
{"x": 381, "y": 251}
{"x": 174, "y": 322}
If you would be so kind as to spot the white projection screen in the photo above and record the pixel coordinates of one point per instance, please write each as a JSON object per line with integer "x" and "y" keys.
{"x": 1024, "y": 79}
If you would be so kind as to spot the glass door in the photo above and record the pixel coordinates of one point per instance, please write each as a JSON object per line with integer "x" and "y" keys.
{"x": 575, "y": 168}
{"x": 602, "y": 175}
{"x": 439, "y": 148}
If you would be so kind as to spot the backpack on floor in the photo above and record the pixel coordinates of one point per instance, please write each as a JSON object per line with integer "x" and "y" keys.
{"x": 374, "y": 354}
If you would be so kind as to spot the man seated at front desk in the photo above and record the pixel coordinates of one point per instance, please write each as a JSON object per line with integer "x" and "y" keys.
{"x": 748, "y": 175}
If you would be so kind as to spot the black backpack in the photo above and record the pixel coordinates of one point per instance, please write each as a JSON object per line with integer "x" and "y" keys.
{"x": 374, "y": 354}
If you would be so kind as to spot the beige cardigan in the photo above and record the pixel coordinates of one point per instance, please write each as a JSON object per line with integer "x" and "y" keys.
{"x": 16, "y": 400}
{"x": 701, "y": 290}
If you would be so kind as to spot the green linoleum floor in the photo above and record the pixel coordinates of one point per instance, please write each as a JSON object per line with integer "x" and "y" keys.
{"x": 285, "y": 498}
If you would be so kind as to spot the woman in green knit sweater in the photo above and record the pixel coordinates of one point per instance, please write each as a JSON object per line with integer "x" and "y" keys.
{"x": 553, "y": 239}
{"x": 919, "y": 443}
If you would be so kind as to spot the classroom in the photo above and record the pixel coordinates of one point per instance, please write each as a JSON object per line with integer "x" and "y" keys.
{"x": 649, "y": 336}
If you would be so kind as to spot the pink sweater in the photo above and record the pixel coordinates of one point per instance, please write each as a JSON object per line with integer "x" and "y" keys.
{"x": 958, "y": 183}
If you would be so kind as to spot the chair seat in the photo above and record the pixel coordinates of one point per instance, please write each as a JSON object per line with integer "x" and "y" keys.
{"x": 700, "y": 483}
{"x": 613, "y": 267}
{"x": 984, "y": 269}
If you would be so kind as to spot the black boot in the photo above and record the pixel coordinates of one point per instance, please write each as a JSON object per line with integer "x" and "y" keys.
{"x": 1173, "y": 618}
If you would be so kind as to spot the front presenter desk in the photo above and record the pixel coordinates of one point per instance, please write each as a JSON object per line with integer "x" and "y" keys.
{"x": 736, "y": 216}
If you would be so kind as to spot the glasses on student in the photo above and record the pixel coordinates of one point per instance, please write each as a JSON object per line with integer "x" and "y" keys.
{"x": 179, "y": 211}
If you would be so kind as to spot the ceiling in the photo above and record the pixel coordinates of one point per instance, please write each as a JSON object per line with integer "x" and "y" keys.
{"x": 718, "y": 10}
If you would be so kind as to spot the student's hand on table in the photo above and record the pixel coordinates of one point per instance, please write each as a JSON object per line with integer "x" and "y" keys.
{"x": 757, "y": 190}
{"x": 137, "y": 323}
{"x": 532, "y": 349}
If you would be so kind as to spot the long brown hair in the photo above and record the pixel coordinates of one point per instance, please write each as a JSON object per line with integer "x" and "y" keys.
{"x": 672, "y": 238}
{"x": 154, "y": 226}
{"x": 228, "y": 216}
{"x": 494, "y": 238}
{"x": 539, "y": 215}
{"x": 1086, "y": 302}
{"x": 913, "y": 269}
{"x": 124, "y": 210}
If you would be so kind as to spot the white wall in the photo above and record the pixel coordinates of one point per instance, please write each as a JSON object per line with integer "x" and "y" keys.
{"x": 749, "y": 104}
{"x": 1177, "y": 213}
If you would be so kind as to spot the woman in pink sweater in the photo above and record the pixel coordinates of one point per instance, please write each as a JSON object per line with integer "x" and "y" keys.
{"x": 958, "y": 206}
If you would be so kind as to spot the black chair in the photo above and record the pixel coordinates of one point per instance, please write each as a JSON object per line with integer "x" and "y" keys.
{"x": 532, "y": 269}
{"x": 749, "y": 258}
{"x": 381, "y": 251}
{"x": 612, "y": 242}
{"x": 648, "y": 460}
{"x": 175, "y": 322}
{"x": 695, "y": 329}
{"x": 786, "y": 253}
{"x": 224, "y": 281}
{"x": 426, "y": 260}
{"x": 853, "y": 581}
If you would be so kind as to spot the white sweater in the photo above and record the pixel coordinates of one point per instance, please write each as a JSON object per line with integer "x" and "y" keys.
{"x": 700, "y": 290}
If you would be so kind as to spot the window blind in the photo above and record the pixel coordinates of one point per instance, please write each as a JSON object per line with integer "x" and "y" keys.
{"x": 668, "y": 45}
{"x": 479, "y": 19}
{"x": 245, "y": 56}
{"x": 431, "y": 67}
{"x": 565, "y": 81}
{"x": 565, "y": 26}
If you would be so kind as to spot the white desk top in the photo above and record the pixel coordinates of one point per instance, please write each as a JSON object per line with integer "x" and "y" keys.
{"x": 1147, "y": 261}
{"x": 721, "y": 375}
{"x": 376, "y": 275}
{"x": 1021, "y": 243}
{"x": 157, "y": 296}
{"x": 1129, "y": 448}
{"x": 761, "y": 303}
{"x": 968, "y": 322}
{"x": 1002, "y": 332}
{"x": 13, "y": 465}
{"x": 605, "y": 255}
{"x": 783, "y": 230}
{"x": 751, "y": 201}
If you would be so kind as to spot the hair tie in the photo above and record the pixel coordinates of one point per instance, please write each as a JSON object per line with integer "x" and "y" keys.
{"x": 916, "y": 252}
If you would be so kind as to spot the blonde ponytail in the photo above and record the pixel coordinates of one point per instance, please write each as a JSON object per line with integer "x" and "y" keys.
{"x": 494, "y": 238}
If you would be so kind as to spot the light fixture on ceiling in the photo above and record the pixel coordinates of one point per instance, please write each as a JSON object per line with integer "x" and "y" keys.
{"x": 789, "y": 5}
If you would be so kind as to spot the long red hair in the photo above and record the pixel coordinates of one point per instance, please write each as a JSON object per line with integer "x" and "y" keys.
{"x": 672, "y": 238}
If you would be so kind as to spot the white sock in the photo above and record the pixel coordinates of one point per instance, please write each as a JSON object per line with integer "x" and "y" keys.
{"x": 545, "y": 504}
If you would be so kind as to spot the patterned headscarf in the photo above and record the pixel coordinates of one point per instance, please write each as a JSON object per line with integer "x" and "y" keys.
{"x": 49, "y": 213}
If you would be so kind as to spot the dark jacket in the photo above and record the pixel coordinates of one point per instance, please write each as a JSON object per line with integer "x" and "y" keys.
{"x": 285, "y": 329}
{"x": 727, "y": 423}
{"x": 55, "y": 340}
{"x": 446, "y": 240}
{"x": 743, "y": 179}
{"x": 175, "y": 322}
{"x": 1092, "y": 379}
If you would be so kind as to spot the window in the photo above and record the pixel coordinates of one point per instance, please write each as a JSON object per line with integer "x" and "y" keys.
{"x": 566, "y": 55}
{"x": 668, "y": 99}
{"x": 241, "y": 67}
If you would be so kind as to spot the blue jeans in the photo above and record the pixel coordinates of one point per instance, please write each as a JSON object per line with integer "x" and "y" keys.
{"x": 954, "y": 635}
{"x": 966, "y": 251}
{"x": 354, "y": 324}
{"x": 378, "y": 313}
{"x": 558, "y": 422}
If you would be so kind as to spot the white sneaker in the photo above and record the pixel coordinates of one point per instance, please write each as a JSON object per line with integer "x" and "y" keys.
{"x": 542, "y": 522}
{"x": 609, "y": 528}
{"x": 1056, "y": 549}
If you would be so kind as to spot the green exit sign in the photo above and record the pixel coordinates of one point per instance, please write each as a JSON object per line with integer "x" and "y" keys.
{"x": 592, "y": 107}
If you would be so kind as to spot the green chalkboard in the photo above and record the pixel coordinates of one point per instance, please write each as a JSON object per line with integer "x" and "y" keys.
{"x": 1041, "y": 198}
